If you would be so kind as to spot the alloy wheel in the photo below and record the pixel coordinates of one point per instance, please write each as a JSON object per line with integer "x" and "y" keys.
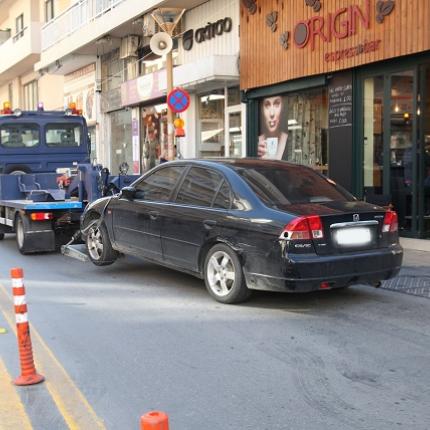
{"x": 95, "y": 243}
{"x": 220, "y": 273}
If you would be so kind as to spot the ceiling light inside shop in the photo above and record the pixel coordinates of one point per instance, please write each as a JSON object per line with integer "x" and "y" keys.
{"x": 211, "y": 98}
{"x": 159, "y": 108}
{"x": 206, "y": 135}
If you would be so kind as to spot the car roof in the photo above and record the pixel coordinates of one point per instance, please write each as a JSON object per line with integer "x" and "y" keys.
{"x": 235, "y": 163}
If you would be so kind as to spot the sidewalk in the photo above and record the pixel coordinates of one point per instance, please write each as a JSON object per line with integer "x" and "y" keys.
{"x": 414, "y": 278}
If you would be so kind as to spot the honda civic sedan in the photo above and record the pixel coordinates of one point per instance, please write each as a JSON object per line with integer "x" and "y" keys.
{"x": 244, "y": 225}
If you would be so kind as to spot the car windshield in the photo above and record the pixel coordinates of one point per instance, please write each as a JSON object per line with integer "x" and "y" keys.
{"x": 285, "y": 185}
{"x": 19, "y": 135}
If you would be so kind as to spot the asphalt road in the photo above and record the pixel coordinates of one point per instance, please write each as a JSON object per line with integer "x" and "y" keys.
{"x": 134, "y": 337}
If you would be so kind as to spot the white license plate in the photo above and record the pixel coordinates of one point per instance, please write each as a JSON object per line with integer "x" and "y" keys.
{"x": 357, "y": 236}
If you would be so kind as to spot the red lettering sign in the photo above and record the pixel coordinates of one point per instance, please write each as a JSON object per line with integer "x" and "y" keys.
{"x": 341, "y": 24}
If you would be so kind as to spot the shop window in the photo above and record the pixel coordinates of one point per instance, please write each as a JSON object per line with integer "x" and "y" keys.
{"x": 211, "y": 121}
{"x": 293, "y": 127}
{"x": 122, "y": 148}
{"x": 233, "y": 96}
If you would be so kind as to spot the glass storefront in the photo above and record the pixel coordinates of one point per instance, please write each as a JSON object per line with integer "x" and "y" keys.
{"x": 293, "y": 127}
{"x": 220, "y": 124}
{"x": 121, "y": 138}
{"x": 396, "y": 144}
{"x": 153, "y": 135}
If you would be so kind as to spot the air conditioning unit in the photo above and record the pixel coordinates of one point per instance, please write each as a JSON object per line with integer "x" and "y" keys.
{"x": 149, "y": 26}
{"x": 129, "y": 46}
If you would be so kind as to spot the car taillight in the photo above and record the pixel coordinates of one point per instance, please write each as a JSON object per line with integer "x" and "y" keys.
{"x": 41, "y": 216}
{"x": 304, "y": 228}
{"x": 391, "y": 223}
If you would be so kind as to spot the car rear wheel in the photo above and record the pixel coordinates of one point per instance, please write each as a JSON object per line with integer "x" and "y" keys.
{"x": 99, "y": 246}
{"x": 224, "y": 276}
{"x": 1, "y": 236}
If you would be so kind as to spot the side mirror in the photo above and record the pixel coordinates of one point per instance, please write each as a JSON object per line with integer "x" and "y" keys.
{"x": 127, "y": 193}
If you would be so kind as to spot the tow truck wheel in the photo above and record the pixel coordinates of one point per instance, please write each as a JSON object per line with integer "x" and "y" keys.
{"x": 20, "y": 230}
{"x": 99, "y": 246}
{"x": 1, "y": 236}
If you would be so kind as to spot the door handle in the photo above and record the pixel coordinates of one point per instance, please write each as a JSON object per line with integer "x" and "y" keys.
{"x": 209, "y": 223}
{"x": 153, "y": 215}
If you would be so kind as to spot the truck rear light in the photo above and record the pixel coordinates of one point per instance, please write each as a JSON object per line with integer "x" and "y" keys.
{"x": 304, "y": 228}
{"x": 391, "y": 223}
{"x": 41, "y": 216}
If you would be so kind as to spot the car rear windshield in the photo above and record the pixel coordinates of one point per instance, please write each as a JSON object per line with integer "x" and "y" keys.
{"x": 63, "y": 135}
{"x": 19, "y": 135}
{"x": 285, "y": 185}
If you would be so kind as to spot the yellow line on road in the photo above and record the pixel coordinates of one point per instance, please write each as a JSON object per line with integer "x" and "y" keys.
{"x": 12, "y": 411}
{"x": 71, "y": 403}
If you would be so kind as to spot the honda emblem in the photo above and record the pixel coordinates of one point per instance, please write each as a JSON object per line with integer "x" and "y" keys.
{"x": 356, "y": 217}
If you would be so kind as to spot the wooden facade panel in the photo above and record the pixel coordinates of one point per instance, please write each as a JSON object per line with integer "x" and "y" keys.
{"x": 405, "y": 30}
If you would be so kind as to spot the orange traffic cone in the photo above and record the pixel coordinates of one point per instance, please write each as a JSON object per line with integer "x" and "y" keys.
{"x": 29, "y": 376}
{"x": 155, "y": 420}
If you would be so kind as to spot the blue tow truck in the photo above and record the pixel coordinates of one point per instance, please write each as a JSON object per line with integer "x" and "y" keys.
{"x": 46, "y": 179}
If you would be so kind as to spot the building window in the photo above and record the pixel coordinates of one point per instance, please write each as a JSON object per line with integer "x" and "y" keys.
{"x": 49, "y": 10}
{"x": 19, "y": 26}
{"x": 211, "y": 120}
{"x": 30, "y": 96}
{"x": 293, "y": 127}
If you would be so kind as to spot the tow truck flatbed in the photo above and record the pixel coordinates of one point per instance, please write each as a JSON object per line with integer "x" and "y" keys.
{"x": 34, "y": 206}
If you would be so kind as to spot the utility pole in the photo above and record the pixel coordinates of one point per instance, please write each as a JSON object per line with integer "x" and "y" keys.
{"x": 167, "y": 19}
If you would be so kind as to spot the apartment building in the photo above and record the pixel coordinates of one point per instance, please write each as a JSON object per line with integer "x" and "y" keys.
{"x": 101, "y": 47}
{"x": 20, "y": 48}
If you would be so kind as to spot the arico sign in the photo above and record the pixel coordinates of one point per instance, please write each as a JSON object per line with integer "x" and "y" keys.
{"x": 208, "y": 32}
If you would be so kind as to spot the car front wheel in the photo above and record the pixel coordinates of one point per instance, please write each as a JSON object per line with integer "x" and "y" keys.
{"x": 224, "y": 276}
{"x": 99, "y": 246}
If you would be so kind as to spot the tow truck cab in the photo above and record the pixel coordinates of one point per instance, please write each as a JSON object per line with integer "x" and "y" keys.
{"x": 42, "y": 141}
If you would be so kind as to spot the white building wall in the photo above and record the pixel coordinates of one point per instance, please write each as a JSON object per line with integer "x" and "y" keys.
{"x": 212, "y": 11}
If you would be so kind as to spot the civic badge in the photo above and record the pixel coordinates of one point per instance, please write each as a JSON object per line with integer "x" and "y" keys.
{"x": 356, "y": 217}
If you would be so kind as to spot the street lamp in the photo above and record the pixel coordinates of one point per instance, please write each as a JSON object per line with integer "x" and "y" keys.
{"x": 168, "y": 18}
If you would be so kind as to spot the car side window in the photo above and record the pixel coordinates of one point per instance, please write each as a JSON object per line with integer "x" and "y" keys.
{"x": 223, "y": 197}
{"x": 159, "y": 185}
{"x": 199, "y": 187}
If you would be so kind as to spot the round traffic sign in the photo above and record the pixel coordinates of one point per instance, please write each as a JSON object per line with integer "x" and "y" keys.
{"x": 178, "y": 100}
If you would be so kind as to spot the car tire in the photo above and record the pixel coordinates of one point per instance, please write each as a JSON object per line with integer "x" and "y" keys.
{"x": 21, "y": 228}
{"x": 17, "y": 170}
{"x": 223, "y": 275}
{"x": 99, "y": 246}
{"x": 1, "y": 236}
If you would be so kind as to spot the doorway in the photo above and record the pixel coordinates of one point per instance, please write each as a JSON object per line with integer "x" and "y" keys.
{"x": 395, "y": 150}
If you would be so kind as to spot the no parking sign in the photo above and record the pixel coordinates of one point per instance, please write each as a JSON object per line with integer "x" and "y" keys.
{"x": 178, "y": 100}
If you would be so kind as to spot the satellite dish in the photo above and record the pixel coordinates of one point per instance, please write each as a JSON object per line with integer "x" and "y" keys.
{"x": 161, "y": 43}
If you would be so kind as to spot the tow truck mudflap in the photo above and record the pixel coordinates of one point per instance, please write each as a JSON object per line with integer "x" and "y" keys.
{"x": 78, "y": 252}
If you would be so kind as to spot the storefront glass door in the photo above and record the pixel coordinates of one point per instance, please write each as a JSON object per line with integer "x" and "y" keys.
{"x": 396, "y": 145}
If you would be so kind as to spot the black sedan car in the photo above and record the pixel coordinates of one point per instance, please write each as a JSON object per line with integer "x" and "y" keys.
{"x": 247, "y": 224}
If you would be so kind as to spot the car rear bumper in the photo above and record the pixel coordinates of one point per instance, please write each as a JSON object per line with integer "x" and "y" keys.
{"x": 304, "y": 273}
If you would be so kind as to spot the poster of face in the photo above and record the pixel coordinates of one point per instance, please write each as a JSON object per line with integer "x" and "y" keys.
{"x": 272, "y": 141}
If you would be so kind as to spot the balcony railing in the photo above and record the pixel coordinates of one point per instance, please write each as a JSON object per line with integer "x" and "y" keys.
{"x": 77, "y": 16}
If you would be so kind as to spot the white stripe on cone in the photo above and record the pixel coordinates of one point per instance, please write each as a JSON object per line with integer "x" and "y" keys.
{"x": 19, "y": 300}
{"x": 17, "y": 282}
{"x": 21, "y": 318}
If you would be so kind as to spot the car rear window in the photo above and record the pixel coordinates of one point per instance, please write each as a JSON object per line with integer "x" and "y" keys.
{"x": 291, "y": 185}
{"x": 63, "y": 135}
{"x": 19, "y": 135}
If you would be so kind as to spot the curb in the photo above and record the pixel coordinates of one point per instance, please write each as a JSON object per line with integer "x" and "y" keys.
{"x": 415, "y": 244}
